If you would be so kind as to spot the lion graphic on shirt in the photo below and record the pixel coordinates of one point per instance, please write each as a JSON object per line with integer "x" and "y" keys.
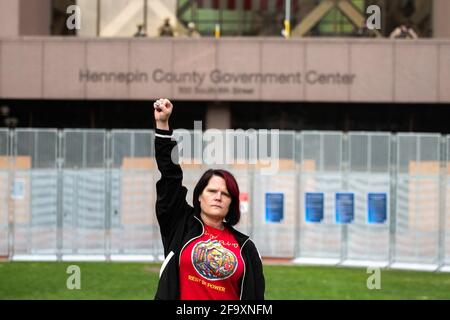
{"x": 212, "y": 261}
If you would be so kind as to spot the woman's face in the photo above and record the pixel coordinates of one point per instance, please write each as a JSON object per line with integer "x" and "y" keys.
{"x": 215, "y": 199}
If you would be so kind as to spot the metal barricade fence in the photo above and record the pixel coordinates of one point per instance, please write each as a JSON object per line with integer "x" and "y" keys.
{"x": 368, "y": 173}
{"x": 320, "y": 177}
{"x": 90, "y": 194}
{"x": 417, "y": 200}
{"x": 271, "y": 230}
{"x": 84, "y": 193}
{"x": 34, "y": 192}
{"x": 4, "y": 191}
{"x": 445, "y": 199}
{"x": 134, "y": 230}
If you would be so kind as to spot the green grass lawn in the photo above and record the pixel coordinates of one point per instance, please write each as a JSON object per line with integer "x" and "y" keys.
{"x": 42, "y": 280}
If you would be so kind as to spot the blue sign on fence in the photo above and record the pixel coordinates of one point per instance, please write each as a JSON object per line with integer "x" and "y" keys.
{"x": 377, "y": 207}
{"x": 344, "y": 207}
{"x": 314, "y": 206}
{"x": 18, "y": 189}
{"x": 274, "y": 207}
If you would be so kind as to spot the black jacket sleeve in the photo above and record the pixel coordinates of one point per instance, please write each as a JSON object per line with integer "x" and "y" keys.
{"x": 257, "y": 285}
{"x": 171, "y": 202}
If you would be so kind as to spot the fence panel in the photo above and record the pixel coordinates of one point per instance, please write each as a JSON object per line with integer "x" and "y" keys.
{"x": 447, "y": 206}
{"x": 369, "y": 176}
{"x": 34, "y": 192}
{"x": 4, "y": 192}
{"x": 84, "y": 192}
{"x": 321, "y": 174}
{"x": 417, "y": 219}
{"x": 273, "y": 222}
{"x": 134, "y": 229}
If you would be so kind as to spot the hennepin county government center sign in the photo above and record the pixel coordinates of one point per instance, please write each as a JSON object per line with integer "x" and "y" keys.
{"x": 194, "y": 82}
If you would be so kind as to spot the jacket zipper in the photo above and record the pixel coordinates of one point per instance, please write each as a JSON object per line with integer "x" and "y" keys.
{"x": 243, "y": 277}
{"x": 203, "y": 231}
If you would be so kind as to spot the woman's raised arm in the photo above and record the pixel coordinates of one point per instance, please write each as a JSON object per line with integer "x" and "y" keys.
{"x": 171, "y": 195}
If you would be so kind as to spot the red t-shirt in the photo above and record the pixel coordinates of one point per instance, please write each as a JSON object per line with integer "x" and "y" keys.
{"x": 211, "y": 267}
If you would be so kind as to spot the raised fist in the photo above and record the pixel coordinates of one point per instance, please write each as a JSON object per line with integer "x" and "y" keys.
{"x": 163, "y": 110}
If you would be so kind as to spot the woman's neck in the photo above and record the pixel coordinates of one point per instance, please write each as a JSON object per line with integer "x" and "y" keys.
{"x": 215, "y": 223}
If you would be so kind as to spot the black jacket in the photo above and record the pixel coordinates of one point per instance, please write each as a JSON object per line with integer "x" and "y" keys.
{"x": 179, "y": 225}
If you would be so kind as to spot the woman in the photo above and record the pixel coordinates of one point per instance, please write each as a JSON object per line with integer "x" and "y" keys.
{"x": 206, "y": 258}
